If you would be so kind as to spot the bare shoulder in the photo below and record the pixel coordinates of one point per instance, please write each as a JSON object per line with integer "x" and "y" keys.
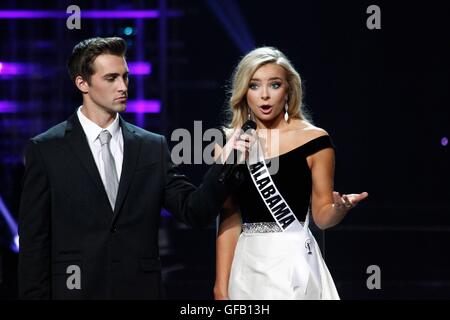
{"x": 325, "y": 156}
{"x": 305, "y": 131}
{"x": 310, "y": 131}
{"x": 299, "y": 133}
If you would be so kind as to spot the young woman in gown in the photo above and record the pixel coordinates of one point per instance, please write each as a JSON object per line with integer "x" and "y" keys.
{"x": 254, "y": 258}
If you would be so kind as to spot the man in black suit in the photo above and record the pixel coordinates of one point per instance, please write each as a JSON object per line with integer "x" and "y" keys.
{"x": 93, "y": 189}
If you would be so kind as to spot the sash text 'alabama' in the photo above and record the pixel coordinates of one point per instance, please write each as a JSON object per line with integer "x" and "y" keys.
{"x": 280, "y": 210}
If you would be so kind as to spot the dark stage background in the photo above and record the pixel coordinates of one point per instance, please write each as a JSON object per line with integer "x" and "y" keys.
{"x": 383, "y": 96}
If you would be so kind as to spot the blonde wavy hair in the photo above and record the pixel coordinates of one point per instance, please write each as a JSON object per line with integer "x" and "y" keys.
{"x": 237, "y": 111}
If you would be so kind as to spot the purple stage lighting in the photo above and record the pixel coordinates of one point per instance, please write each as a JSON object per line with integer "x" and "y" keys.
{"x": 15, "y": 244}
{"x": 8, "y": 68}
{"x": 133, "y": 106}
{"x": 144, "y": 106}
{"x": 12, "y": 225}
{"x": 140, "y": 68}
{"x": 230, "y": 16}
{"x": 17, "y": 68}
{"x": 444, "y": 141}
{"x": 85, "y": 14}
{"x": 165, "y": 213}
{"x": 7, "y": 106}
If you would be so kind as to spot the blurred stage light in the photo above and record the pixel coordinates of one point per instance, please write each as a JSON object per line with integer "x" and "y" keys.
{"x": 165, "y": 213}
{"x": 8, "y": 106}
{"x": 139, "y": 68}
{"x": 130, "y": 43}
{"x": 133, "y": 106}
{"x": 229, "y": 14}
{"x": 12, "y": 225}
{"x": 143, "y": 106}
{"x": 128, "y": 31}
{"x": 86, "y": 14}
{"x": 8, "y": 68}
{"x": 444, "y": 141}
{"x": 17, "y": 68}
{"x": 15, "y": 245}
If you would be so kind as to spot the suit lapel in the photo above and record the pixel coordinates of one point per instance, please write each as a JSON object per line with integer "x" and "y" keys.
{"x": 132, "y": 144}
{"x": 131, "y": 148}
{"x": 77, "y": 141}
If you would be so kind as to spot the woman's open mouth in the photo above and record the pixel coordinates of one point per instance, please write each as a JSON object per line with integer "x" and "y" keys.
{"x": 266, "y": 109}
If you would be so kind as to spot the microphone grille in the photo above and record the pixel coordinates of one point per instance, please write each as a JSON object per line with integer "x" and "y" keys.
{"x": 249, "y": 124}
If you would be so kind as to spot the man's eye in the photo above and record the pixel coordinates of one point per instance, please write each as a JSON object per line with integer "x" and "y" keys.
{"x": 110, "y": 79}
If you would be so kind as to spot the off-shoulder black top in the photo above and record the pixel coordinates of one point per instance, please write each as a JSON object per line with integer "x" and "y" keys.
{"x": 293, "y": 180}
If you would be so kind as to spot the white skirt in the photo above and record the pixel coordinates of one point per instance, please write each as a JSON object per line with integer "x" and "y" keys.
{"x": 264, "y": 268}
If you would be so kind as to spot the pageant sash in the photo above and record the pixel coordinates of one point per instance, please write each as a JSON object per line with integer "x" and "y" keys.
{"x": 286, "y": 219}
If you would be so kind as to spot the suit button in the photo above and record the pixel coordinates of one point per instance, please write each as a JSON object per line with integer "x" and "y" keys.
{"x": 114, "y": 230}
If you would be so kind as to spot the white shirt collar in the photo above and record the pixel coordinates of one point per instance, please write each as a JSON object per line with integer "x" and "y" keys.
{"x": 92, "y": 130}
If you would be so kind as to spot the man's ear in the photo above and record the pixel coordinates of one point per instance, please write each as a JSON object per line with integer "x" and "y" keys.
{"x": 82, "y": 84}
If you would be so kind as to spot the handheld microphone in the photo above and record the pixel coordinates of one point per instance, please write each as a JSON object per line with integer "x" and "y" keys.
{"x": 233, "y": 170}
{"x": 248, "y": 125}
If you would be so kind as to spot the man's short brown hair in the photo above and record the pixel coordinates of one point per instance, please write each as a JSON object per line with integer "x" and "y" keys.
{"x": 84, "y": 53}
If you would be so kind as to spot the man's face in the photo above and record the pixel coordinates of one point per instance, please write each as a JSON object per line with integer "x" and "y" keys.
{"x": 108, "y": 88}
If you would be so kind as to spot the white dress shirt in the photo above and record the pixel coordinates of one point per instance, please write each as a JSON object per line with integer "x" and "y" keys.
{"x": 92, "y": 131}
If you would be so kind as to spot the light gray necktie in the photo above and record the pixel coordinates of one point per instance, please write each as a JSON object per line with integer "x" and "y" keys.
{"x": 111, "y": 180}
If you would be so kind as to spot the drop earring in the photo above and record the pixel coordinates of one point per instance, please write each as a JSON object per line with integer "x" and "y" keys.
{"x": 286, "y": 114}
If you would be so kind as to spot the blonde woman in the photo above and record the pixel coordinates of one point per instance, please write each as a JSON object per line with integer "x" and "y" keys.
{"x": 255, "y": 259}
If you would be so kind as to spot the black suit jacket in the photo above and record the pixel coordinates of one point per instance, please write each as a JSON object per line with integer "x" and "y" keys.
{"x": 66, "y": 220}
